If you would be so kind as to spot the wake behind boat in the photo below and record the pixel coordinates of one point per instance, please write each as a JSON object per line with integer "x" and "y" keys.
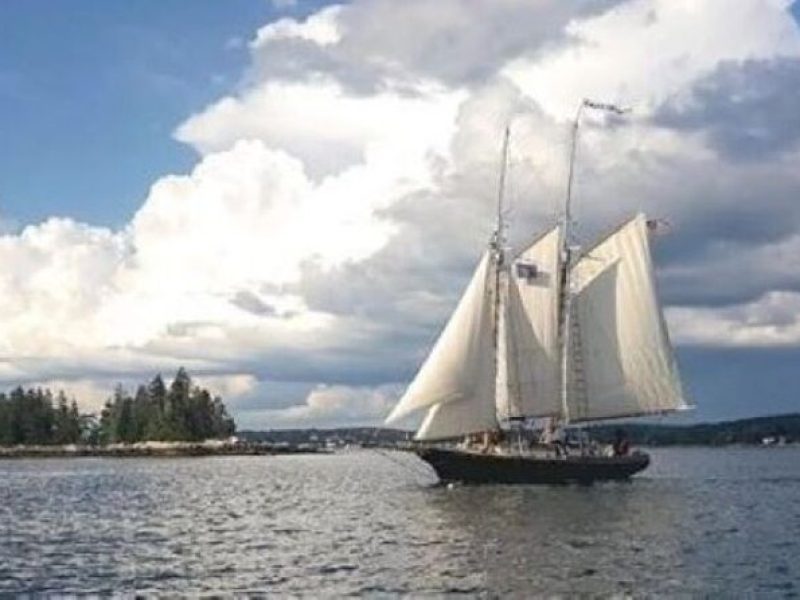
{"x": 552, "y": 331}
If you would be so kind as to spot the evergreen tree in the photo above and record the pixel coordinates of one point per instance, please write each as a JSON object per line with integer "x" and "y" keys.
{"x": 17, "y": 425}
{"x": 5, "y": 421}
{"x": 180, "y": 412}
{"x": 201, "y": 417}
{"x": 141, "y": 409}
{"x": 224, "y": 425}
{"x": 74, "y": 428}
{"x": 106, "y": 425}
{"x": 178, "y": 409}
{"x": 126, "y": 426}
{"x": 156, "y": 425}
{"x": 37, "y": 417}
{"x": 30, "y": 417}
{"x": 157, "y": 391}
{"x": 61, "y": 433}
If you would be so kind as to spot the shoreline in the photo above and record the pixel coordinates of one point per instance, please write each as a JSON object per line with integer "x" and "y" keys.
{"x": 201, "y": 449}
{"x": 158, "y": 450}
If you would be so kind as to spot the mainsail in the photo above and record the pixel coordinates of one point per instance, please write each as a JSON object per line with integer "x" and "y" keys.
{"x": 531, "y": 332}
{"x": 458, "y": 377}
{"x": 621, "y": 359}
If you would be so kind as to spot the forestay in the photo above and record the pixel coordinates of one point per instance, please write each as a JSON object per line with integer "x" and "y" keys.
{"x": 620, "y": 355}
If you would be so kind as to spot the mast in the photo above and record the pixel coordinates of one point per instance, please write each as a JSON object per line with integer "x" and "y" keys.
{"x": 499, "y": 234}
{"x": 569, "y": 249}
{"x": 566, "y": 260}
{"x": 497, "y": 246}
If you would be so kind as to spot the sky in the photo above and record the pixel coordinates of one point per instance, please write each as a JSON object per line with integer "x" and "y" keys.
{"x": 288, "y": 197}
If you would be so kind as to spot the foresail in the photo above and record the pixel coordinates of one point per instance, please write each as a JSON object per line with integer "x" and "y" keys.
{"x": 455, "y": 419}
{"x": 505, "y": 404}
{"x": 621, "y": 359}
{"x": 532, "y": 345}
{"x": 461, "y": 366}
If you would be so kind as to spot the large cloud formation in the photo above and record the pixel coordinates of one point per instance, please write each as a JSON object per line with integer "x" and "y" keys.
{"x": 345, "y": 188}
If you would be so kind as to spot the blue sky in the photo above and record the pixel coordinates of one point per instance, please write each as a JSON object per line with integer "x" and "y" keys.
{"x": 90, "y": 92}
{"x": 334, "y": 183}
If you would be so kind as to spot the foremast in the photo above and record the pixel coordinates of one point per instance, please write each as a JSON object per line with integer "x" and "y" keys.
{"x": 497, "y": 248}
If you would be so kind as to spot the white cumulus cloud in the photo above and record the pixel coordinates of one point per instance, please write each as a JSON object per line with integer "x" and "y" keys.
{"x": 344, "y": 188}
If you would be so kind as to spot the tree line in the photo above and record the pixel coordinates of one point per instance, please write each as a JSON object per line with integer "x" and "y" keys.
{"x": 181, "y": 411}
{"x": 35, "y": 416}
{"x": 743, "y": 431}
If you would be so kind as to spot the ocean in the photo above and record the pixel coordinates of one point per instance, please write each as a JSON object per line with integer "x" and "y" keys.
{"x": 698, "y": 522}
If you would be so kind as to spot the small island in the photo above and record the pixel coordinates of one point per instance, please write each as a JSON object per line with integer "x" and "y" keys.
{"x": 179, "y": 419}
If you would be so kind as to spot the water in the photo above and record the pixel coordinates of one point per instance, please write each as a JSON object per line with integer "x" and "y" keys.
{"x": 698, "y": 522}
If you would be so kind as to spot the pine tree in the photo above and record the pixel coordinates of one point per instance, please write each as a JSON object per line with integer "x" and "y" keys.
{"x": 178, "y": 406}
{"x": 182, "y": 412}
{"x": 61, "y": 433}
{"x": 16, "y": 421}
{"x": 126, "y": 427}
{"x": 74, "y": 424}
{"x": 5, "y": 420}
{"x": 156, "y": 426}
{"x": 224, "y": 425}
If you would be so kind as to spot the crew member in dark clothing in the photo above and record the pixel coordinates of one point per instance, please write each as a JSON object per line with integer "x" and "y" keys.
{"x": 621, "y": 444}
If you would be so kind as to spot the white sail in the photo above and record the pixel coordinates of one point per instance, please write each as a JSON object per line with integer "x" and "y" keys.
{"x": 455, "y": 419}
{"x": 620, "y": 355}
{"x": 461, "y": 367}
{"x": 506, "y": 404}
{"x": 532, "y": 342}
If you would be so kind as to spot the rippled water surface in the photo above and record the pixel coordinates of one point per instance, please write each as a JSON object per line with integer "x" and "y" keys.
{"x": 698, "y": 521}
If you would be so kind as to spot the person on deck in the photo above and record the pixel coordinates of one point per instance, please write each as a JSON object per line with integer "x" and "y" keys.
{"x": 622, "y": 446}
{"x": 498, "y": 438}
{"x": 560, "y": 441}
{"x": 554, "y": 437}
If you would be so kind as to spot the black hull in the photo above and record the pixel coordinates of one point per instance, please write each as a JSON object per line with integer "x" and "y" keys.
{"x": 473, "y": 467}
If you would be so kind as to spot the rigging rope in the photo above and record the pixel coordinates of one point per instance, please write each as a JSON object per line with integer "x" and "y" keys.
{"x": 418, "y": 469}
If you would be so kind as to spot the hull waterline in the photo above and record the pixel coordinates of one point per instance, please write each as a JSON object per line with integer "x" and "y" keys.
{"x": 472, "y": 467}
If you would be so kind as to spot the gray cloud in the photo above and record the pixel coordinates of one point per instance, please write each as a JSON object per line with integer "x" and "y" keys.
{"x": 248, "y": 301}
{"x": 749, "y": 110}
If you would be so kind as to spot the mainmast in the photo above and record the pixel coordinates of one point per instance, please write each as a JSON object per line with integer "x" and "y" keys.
{"x": 568, "y": 251}
{"x": 566, "y": 264}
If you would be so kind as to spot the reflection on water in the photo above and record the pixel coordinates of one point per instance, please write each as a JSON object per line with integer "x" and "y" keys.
{"x": 699, "y": 522}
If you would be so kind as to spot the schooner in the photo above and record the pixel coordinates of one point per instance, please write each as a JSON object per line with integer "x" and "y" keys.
{"x": 555, "y": 331}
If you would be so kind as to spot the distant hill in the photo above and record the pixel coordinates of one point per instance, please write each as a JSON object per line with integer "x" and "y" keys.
{"x": 743, "y": 431}
{"x": 365, "y": 436}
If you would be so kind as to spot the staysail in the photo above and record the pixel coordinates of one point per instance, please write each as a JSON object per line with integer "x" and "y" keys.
{"x": 455, "y": 419}
{"x": 458, "y": 378}
{"x": 621, "y": 359}
{"x": 531, "y": 334}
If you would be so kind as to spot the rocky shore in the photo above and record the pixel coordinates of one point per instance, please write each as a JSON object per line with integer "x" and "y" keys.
{"x": 160, "y": 449}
